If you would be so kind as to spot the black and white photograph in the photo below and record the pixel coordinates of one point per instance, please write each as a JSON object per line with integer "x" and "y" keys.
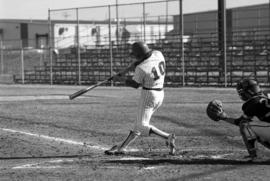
{"x": 134, "y": 90}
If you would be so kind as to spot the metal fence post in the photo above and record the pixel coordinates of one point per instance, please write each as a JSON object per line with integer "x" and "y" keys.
{"x": 166, "y": 18}
{"x": 225, "y": 46}
{"x": 50, "y": 46}
{"x": 222, "y": 37}
{"x": 117, "y": 22}
{"x": 110, "y": 43}
{"x": 144, "y": 22}
{"x": 181, "y": 23}
{"x": 78, "y": 47}
{"x": 269, "y": 18}
{"x": 22, "y": 62}
{"x": 2, "y": 57}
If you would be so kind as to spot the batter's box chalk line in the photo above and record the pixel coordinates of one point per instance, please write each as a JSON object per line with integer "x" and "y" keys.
{"x": 198, "y": 151}
{"x": 147, "y": 163}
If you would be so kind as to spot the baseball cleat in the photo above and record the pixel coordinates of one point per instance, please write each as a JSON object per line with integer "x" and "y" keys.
{"x": 252, "y": 155}
{"x": 250, "y": 158}
{"x": 114, "y": 151}
{"x": 171, "y": 144}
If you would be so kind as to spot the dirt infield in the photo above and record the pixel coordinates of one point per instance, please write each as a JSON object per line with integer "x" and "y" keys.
{"x": 46, "y": 136}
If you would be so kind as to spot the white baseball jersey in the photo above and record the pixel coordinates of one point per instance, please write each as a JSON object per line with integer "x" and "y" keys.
{"x": 150, "y": 74}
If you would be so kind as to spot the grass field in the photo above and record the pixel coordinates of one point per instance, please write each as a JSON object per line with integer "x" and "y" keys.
{"x": 46, "y": 136}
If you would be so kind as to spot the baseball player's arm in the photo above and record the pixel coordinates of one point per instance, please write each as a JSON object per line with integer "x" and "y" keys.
{"x": 128, "y": 81}
{"x": 233, "y": 121}
{"x": 132, "y": 83}
{"x": 131, "y": 67}
{"x": 216, "y": 112}
{"x": 236, "y": 121}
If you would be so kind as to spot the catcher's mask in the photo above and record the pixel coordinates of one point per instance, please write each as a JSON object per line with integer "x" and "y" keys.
{"x": 247, "y": 88}
{"x": 139, "y": 50}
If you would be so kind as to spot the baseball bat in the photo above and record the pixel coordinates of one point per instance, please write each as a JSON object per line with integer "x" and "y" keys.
{"x": 82, "y": 91}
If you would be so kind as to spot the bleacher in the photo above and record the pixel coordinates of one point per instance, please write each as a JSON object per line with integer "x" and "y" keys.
{"x": 203, "y": 64}
{"x": 95, "y": 65}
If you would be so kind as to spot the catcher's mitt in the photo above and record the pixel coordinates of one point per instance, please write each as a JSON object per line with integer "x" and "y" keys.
{"x": 215, "y": 110}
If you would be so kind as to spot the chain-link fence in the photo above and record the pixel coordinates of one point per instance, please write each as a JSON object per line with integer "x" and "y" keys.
{"x": 19, "y": 64}
{"x": 93, "y": 43}
{"x": 96, "y": 40}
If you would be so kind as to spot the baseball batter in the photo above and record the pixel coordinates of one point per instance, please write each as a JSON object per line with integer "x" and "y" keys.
{"x": 256, "y": 104}
{"x": 149, "y": 74}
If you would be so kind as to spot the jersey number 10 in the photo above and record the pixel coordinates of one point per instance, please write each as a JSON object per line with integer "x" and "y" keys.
{"x": 158, "y": 71}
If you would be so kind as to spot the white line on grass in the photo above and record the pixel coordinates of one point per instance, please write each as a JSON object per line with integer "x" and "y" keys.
{"x": 46, "y": 164}
{"x": 68, "y": 141}
{"x": 53, "y": 163}
{"x": 96, "y": 147}
{"x": 27, "y": 98}
{"x": 101, "y": 148}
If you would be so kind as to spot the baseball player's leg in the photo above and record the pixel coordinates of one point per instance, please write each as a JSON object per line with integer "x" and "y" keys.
{"x": 148, "y": 106}
{"x": 249, "y": 138}
{"x": 262, "y": 132}
{"x": 130, "y": 138}
{"x": 170, "y": 138}
{"x": 121, "y": 148}
{"x": 118, "y": 149}
{"x": 144, "y": 118}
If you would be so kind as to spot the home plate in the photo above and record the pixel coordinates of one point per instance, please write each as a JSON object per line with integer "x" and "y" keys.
{"x": 134, "y": 158}
{"x": 220, "y": 156}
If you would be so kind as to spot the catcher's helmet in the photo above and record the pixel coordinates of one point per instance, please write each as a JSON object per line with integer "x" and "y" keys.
{"x": 139, "y": 50}
{"x": 247, "y": 88}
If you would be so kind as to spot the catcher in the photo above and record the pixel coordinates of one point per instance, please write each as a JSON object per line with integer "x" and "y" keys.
{"x": 256, "y": 104}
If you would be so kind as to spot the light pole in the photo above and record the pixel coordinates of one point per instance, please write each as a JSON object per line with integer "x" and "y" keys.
{"x": 167, "y": 10}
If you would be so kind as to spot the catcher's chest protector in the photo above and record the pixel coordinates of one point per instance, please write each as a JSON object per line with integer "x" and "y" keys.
{"x": 258, "y": 106}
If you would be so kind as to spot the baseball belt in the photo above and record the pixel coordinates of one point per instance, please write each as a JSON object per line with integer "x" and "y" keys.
{"x": 155, "y": 89}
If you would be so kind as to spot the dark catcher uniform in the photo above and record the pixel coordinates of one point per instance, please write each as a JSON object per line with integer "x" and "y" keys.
{"x": 256, "y": 104}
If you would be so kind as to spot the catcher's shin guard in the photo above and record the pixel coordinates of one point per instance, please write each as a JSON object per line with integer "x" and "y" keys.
{"x": 249, "y": 138}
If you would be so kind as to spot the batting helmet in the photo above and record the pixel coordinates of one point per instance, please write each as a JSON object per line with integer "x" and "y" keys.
{"x": 139, "y": 50}
{"x": 247, "y": 88}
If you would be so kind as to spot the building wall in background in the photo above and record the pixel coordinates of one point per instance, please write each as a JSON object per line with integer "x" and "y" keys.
{"x": 11, "y": 34}
{"x": 18, "y": 33}
{"x": 250, "y": 18}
